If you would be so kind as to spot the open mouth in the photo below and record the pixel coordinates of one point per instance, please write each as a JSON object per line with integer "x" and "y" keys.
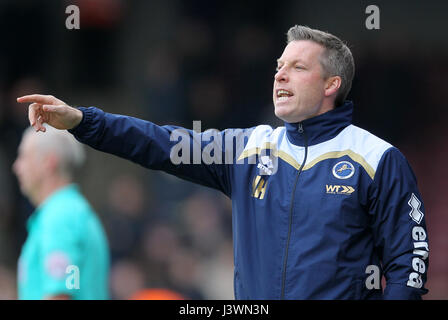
{"x": 283, "y": 95}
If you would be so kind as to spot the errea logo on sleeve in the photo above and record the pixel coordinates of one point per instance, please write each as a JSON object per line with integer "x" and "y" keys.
{"x": 416, "y": 214}
{"x": 421, "y": 252}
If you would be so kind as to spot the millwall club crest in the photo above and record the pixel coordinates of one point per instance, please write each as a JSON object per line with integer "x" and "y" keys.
{"x": 343, "y": 170}
{"x": 266, "y": 166}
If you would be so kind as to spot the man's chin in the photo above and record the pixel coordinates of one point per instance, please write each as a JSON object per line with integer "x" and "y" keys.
{"x": 282, "y": 113}
{"x": 25, "y": 191}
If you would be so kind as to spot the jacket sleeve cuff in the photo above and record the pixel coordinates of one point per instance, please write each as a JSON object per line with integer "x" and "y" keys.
{"x": 400, "y": 292}
{"x": 86, "y": 126}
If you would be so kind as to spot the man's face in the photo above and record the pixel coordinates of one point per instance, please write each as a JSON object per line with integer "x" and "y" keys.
{"x": 27, "y": 166}
{"x": 299, "y": 86}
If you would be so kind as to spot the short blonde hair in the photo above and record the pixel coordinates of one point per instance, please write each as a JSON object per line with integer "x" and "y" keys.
{"x": 337, "y": 59}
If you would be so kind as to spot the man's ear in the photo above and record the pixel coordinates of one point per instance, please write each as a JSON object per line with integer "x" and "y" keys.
{"x": 332, "y": 85}
{"x": 51, "y": 162}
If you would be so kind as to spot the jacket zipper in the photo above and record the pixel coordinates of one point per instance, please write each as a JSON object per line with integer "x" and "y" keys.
{"x": 285, "y": 260}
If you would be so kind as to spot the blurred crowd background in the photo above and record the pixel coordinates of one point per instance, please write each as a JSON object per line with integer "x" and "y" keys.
{"x": 176, "y": 61}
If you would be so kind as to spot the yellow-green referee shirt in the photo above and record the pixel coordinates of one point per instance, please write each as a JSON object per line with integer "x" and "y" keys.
{"x": 66, "y": 251}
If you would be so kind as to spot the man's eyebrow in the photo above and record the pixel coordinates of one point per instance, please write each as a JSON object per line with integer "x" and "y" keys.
{"x": 293, "y": 61}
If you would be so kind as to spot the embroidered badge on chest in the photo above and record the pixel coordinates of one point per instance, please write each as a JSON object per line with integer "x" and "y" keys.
{"x": 266, "y": 166}
{"x": 343, "y": 170}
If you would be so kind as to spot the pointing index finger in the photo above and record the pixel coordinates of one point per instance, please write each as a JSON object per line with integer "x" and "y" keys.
{"x": 36, "y": 98}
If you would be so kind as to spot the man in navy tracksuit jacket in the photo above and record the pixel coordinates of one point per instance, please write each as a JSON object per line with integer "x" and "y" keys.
{"x": 321, "y": 208}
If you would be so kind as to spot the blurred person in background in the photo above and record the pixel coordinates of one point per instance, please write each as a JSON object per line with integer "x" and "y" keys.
{"x": 157, "y": 294}
{"x": 215, "y": 271}
{"x": 126, "y": 278}
{"x": 355, "y": 209}
{"x": 204, "y": 222}
{"x": 124, "y": 218}
{"x": 7, "y": 284}
{"x": 160, "y": 242}
{"x": 66, "y": 253}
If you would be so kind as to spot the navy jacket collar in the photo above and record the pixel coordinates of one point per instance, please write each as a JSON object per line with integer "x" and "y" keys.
{"x": 322, "y": 127}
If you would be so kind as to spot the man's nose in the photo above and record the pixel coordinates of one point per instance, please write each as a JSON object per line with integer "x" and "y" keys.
{"x": 281, "y": 75}
{"x": 15, "y": 166}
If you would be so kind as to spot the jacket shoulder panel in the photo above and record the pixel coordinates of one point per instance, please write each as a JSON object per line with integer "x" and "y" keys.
{"x": 360, "y": 145}
{"x": 262, "y": 137}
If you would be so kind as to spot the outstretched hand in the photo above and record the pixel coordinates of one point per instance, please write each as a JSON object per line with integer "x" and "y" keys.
{"x": 50, "y": 110}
